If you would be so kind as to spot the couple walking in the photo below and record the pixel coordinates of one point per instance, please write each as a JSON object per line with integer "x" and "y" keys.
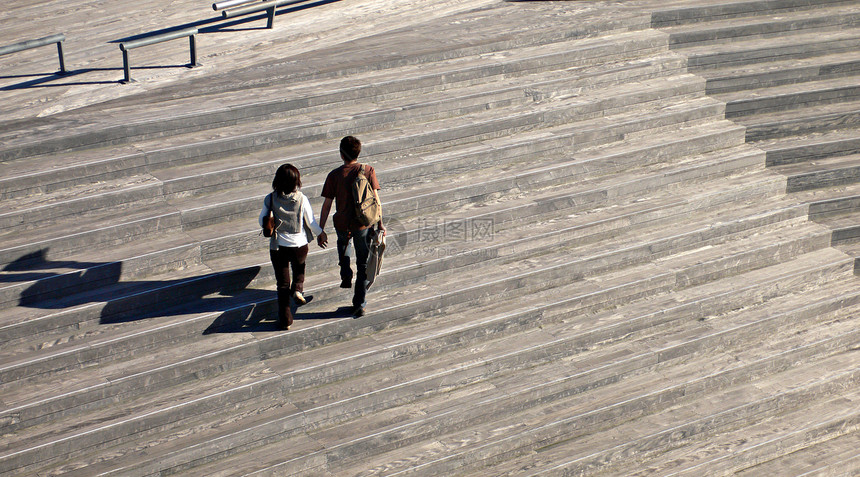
{"x": 296, "y": 225}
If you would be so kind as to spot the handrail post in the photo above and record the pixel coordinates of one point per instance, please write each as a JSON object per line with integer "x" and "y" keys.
{"x": 270, "y": 23}
{"x": 62, "y": 60}
{"x": 126, "y": 68}
{"x": 192, "y": 44}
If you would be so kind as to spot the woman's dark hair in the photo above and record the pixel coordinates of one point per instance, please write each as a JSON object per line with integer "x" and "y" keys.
{"x": 287, "y": 179}
{"x": 350, "y": 147}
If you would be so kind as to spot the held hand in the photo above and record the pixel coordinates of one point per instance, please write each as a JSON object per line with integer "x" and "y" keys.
{"x": 322, "y": 240}
{"x": 381, "y": 229}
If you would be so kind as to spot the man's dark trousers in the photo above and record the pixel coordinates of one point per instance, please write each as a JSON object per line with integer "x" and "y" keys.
{"x": 361, "y": 242}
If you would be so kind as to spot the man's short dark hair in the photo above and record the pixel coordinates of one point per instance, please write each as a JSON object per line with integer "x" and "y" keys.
{"x": 350, "y": 147}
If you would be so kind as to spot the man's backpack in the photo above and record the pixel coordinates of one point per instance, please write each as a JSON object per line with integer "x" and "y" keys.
{"x": 368, "y": 210}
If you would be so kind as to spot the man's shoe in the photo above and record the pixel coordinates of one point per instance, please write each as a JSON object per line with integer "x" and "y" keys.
{"x": 346, "y": 284}
{"x": 358, "y": 312}
{"x": 299, "y": 298}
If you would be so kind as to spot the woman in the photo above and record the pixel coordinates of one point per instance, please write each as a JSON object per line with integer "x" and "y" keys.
{"x": 288, "y": 247}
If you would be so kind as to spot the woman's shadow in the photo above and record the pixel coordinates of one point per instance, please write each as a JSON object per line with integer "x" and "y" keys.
{"x": 66, "y": 284}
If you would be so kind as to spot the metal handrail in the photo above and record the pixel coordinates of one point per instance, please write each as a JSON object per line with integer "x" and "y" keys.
{"x": 28, "y": 44}
{"x": 231, "y": 3}
{"x": 269, "y": 6}
{"x": 150, "y": 40}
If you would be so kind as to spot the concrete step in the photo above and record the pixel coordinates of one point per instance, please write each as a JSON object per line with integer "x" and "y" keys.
{"x": 827, "y": 203}
{"x": 802, "y": 122}
{"x": 846, "y": 228}
{"x": 168, "y": 328}
{"x": 415, "y": 137}
{"x": 837, "y": 456}
{"x": 683, "y": 13}
{"x": 489, "y": 63}
{"x": 244, "y": 202}
{"x": 113, "y": 304}
{"x": 821, "y": 173}
{"x": 537, "y": 413}
{"x": 788, "y": 397}
{"x": 814, "y": 146}
{"x": 774, "y": 72}
{"x": 763, "y": 25}
{"x": 795, "y": 46}
{"x": 608, "y": 256}
{"x": 316, "y": 134}
{"x": 790, "y": 97}
{"x": 560, "y": 346}
{"x": 589, "y": 215}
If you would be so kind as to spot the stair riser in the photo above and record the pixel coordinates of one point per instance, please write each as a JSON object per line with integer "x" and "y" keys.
{"x": 773, "y": 28}
{"x": 404, "y": 208}
{"x": 128, "y": 307}
{"x": 47, "y": 182}
{"x": 846, "y": 235}
{"x": 540, "y": 280}
{"x": 621, "y": 50}
{"x": 612, "y": 415}
{"x": 226, "y": 148}
{"x": 804, "y": 126}
{"x": 822, "y": 179}
{"x": 34, "y": 293}
{"x": 783, "y": 77}
{"x": 325, "y": 416}
{"x": 31, "y": 255}
{"x": 794, "y": 155}
{"x": 48, "y": 215}
{"x": 696, "y": 14}
{"x": 769, "y": 408}
{"x": 830, "y": 208}
{"x": 718, "y": 60}
{"x": 742, "y": 108}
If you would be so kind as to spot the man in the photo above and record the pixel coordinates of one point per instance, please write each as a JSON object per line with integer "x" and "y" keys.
{"x": 338, "y": 188}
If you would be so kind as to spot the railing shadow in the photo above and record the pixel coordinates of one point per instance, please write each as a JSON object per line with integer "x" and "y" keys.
{"x": 54, "y": 80}
{"x": 209, "y": 25}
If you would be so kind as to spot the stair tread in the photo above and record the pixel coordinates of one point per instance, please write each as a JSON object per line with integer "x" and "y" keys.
{"x": 808, "y": 140}
{"x": 310, "y": 88}
{"x": 764, "y": 44}
{"x": 454, "y": 284}
{"x": 822, "y": 165}
{"x": 706, "y": 451}
{"x": 530, "y": 422}
{"x": 793, "y": 21}
{"x": 537, "y": 380}
{"x": 251, "y": 193}
{"x": 800, "y": 115}
{"x": 838, "y": 454}
{"x": 813, "y": 260}
{"x": 253, "y": 134}
{"x": 813, "y": 64}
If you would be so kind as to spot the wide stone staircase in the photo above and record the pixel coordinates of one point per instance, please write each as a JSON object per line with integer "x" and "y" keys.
{"x": 611, "y": 251}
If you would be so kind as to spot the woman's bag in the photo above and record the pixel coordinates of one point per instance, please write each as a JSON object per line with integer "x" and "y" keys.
{"x": 269, "y": 220}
